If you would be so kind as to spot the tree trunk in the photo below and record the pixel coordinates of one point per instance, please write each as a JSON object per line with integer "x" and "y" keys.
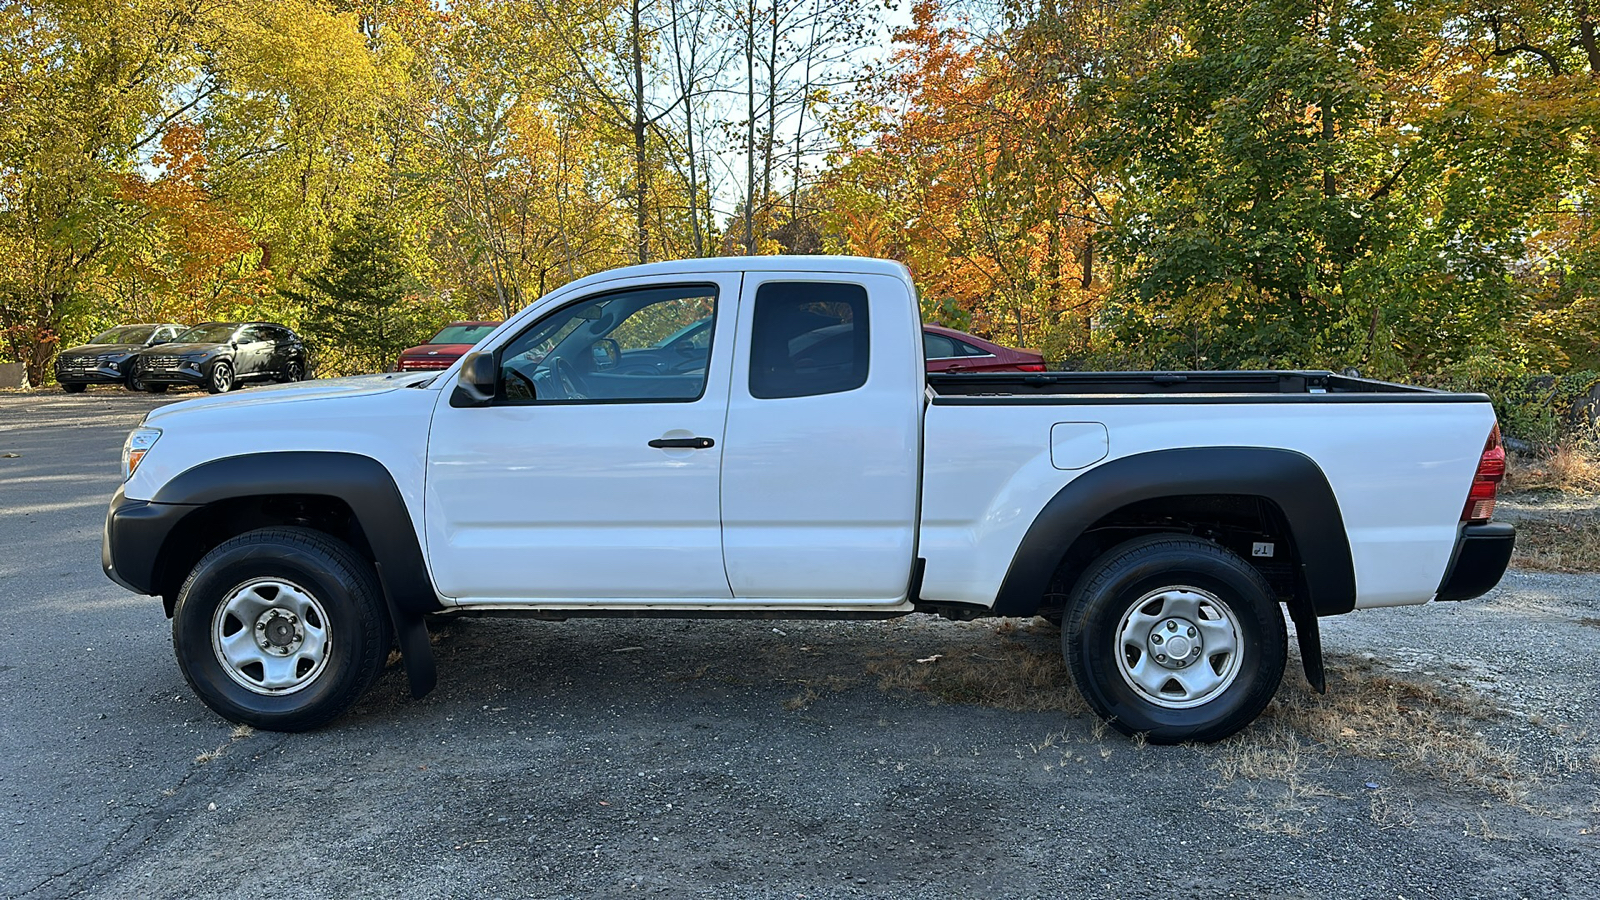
{"x": 750, "y": 127}
{"x": 641, "y": 183}
{"x": 686, "y": 82}
{"x": 1586, "y": 37}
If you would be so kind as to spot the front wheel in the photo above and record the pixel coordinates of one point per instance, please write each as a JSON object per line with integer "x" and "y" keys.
{"x": 221, "y": 380}
{"x": 1175, "y": 638}
{"x": 281, "y": 628}
{"x": 293, "y": 371}
{"x": 135, "y": 383}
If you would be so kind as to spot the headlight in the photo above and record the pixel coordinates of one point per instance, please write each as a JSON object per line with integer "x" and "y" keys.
{"x": 139, "y": 442}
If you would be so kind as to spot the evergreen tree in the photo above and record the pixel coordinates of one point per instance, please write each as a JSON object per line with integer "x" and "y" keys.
{"x": 360, "y": 308}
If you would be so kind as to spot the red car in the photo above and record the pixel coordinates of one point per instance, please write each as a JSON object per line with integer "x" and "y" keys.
{"x": 948, "y": 350}
{"x": 449, "y": 345}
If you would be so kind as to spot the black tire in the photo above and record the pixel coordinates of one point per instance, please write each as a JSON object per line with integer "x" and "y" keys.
{"x": 284, "y": 566}
{"x": 1131, "y": 595}
{"x": 74, "y": 388}
{"x": 293, "y": 371}
{"x": 220, "y": 379}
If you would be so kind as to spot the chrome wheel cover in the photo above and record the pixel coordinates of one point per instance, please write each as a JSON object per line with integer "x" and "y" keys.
{"x": 1178, "y": 647}
{"x": 270, "y": 636}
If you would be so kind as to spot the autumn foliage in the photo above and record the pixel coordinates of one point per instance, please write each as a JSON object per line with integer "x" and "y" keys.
{"x": 1408, "y": 189}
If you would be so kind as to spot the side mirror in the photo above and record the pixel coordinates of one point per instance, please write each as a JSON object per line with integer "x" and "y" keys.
{"x": 476, "y": 383}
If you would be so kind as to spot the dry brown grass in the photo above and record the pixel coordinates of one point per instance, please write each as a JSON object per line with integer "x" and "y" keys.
{"x": 1550, "y": 541}
{"x": 1572, "y": 467}
{"x": 1551, "y": 499}
{"x": 1009, "y": 664}
{"x": 239, "y": 733}
{"x": 1417, "y": 729}
{"x": 1017, "y": 670}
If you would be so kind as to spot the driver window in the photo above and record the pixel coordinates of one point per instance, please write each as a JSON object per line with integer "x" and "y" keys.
{"x": 645, "y": 345}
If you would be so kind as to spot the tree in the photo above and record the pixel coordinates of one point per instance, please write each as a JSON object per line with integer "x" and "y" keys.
{"x": 975, "y": 178}
{"x": 361, "y": 307}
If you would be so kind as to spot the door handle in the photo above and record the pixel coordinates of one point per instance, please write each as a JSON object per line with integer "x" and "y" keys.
{"x": 694, "y": 443}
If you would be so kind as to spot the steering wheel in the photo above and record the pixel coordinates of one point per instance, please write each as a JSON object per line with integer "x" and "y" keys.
{"x": 567, "y": 377}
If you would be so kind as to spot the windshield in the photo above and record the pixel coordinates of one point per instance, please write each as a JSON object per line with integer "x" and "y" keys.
{"x": 207, "y": 334}
{"x": 461, "y": 334}
{"x": 700, "y": 339}
{"x": 126, "y": 334}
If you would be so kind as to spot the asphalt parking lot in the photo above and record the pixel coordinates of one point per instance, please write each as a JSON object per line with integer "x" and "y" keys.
{"x": 759, "y": 759}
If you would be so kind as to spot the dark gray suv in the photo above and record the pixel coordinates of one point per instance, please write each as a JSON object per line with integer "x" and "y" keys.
{"x": 106, "y": 358}
{"x": 220, "y": 355}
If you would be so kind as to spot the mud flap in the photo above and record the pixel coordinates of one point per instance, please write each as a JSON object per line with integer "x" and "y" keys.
{"x": 411, "y": 630}
{"x": 1305, "y": 628}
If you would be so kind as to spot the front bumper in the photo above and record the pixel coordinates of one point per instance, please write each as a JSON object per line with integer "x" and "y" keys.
{"x": 195, "y": 376}
{"x": 1480, "y": 559}
{"x": 97, "y": 375}
{"x": 135, "y": 532}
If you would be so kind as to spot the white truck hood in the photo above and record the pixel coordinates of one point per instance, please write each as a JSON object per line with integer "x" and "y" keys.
{"x": 318, "y": 389}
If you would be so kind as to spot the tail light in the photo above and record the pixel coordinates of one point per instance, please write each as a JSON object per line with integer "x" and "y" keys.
{"x": 1030, "y": 367}
{"x": 1486, "y": 481}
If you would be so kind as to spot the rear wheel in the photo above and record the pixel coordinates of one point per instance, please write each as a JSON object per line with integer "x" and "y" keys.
{"x": 281, "y": 628}
{"x": 1175, "y": 638}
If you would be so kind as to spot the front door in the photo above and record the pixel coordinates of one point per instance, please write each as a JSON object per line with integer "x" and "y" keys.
{"x": 593, "y": 475}
{"x": 254, "y": 353}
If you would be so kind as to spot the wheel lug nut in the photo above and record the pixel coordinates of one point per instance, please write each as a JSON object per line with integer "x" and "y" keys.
{"x": 1171, "y": 625}
{"x": 1161, "y": 657}
{"x": 1156, "y": 638}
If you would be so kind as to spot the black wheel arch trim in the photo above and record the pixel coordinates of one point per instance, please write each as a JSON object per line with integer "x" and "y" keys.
{"x": 361, "y": 482}
{"x": 1291, "y": 480}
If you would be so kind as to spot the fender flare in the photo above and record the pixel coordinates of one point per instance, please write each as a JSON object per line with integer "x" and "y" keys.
{"x": 1289, "y": 479}
{"x": 369, "y": 489}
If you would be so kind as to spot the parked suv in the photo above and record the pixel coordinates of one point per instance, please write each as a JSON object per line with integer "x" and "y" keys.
{"x": 105, "y": 358}
{"x": 219, "y": 355}
{"x": 445, "y": 348}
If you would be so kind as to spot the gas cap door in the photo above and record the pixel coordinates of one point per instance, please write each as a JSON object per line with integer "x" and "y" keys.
{"x": 1078, "y": 445}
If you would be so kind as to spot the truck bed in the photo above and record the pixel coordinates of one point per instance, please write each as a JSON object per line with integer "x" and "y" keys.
{"x": 1168, "y": 387}
{"x": 999, "y": 446}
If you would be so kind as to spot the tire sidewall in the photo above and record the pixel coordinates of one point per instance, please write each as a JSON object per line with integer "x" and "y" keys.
{"x": 351, "y": 629}
{"x": 1091, "y": 645}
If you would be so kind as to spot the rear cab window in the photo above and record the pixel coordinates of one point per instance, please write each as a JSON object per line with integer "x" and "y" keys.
{"x": 808, "y": 338}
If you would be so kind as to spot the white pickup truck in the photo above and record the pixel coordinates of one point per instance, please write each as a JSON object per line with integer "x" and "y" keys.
{"x": 757, "y": 437}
